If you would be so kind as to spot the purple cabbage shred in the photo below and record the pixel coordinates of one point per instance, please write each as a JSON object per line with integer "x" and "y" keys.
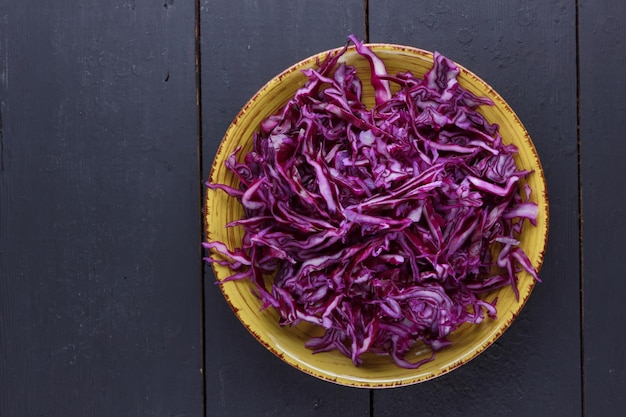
{"x": 382, "y": 225}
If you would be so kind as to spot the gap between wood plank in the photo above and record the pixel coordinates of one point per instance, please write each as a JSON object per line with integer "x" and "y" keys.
{"x": 580, "y": 215}
{"x": 200, "y": 199}
{"x": 366, "y": 23}
{"x": 1, "y": 146}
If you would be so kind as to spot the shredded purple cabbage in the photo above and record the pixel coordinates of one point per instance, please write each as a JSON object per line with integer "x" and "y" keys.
{"x": 379, "y": 225}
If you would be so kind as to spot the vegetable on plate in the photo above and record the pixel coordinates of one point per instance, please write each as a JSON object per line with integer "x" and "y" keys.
{"x": 386, "y": 226}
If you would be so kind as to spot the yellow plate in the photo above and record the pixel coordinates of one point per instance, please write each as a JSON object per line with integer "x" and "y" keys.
{"x": 288, "y": 342}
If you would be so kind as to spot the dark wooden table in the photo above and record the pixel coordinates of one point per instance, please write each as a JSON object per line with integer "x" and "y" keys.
{"x": 111, "y": 113}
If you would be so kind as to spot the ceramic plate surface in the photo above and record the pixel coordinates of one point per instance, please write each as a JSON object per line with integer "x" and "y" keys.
{"x": 288, "y": 342}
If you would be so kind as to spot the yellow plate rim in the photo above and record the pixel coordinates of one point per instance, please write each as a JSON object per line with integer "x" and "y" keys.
{"x": 524, "y": 292}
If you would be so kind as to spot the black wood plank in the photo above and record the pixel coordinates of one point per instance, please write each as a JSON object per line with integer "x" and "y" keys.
{"x": 602, "y": 126}
{"x": 526, "y": 51}
{"x": 244, "y": 44}
{"x": 100, "y": 301}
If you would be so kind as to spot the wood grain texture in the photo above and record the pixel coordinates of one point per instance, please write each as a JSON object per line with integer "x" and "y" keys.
{"x": 244, "y": 44}
{"x": 526, "y": 50}
{"x": 602, "y": 127}
{"x": 100, "y": 301}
